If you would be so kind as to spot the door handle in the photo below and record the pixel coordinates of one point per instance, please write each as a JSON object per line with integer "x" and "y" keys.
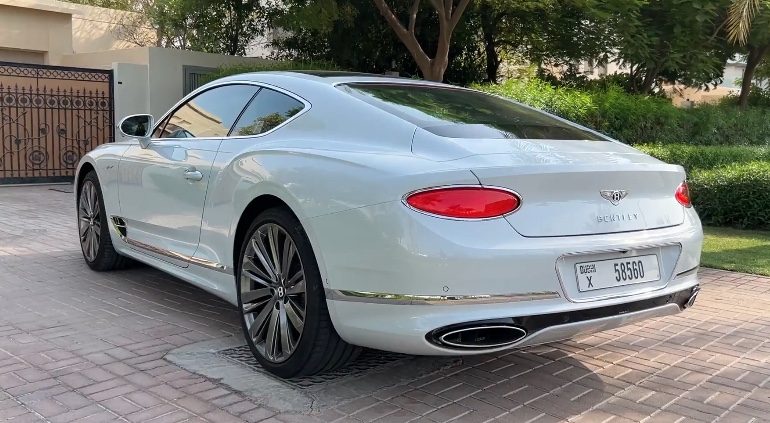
{"x": 193, "y": 175}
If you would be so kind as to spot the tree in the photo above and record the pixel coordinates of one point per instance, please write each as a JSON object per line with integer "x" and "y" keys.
{"x": 448, "y": 16}
{"x": 225, "y": 26}
{"x": 352, "y": 35}
{"x": 671, "y": 40}
{"x": 538, "y": 31}
{"x": 748, "y": 25}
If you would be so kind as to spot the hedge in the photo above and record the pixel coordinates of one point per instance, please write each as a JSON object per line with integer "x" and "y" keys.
{"x": 736, "y": 195}
{"x": 636, "y": 119}
{"x": 693, "y": 157}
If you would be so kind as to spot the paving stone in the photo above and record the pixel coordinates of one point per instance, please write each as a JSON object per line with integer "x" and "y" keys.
{"x": 82, "y": 346}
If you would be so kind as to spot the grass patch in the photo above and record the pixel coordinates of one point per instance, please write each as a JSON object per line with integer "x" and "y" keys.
{"x": 738, "y": 250}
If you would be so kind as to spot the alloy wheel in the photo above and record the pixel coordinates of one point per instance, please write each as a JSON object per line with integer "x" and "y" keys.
{"x": 273, "y": 292}
{"x": 89, "y": 221}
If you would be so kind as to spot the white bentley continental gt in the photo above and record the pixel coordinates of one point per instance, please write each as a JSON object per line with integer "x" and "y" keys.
{"x": 339, "y": 211}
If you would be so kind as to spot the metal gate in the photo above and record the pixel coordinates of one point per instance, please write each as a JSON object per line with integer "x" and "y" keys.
{"x": 49, "y": 117}
{"x": 193, "y": 76}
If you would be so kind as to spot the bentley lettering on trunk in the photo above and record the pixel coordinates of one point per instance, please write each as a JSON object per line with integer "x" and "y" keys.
{"x": 606, "y": 218}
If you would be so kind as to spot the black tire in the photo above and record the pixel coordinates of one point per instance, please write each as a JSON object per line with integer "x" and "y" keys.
{"x": 320, "y": 348}
{"x": 106, "y": 257}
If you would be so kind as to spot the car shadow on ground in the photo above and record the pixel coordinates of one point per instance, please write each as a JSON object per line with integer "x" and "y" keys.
{"x": 552, "y": 380}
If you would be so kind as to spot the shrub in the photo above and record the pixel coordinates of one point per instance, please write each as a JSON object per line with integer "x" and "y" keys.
{"x": 636, "y": 119}
{"x": 758, "y": 97}
{"x": 736, "y": 195}
{"x": 228, "y": 70}
{"x": 693, "y": 157}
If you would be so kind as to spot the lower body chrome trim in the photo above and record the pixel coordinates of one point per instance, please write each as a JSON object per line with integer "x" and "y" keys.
{"x": 689, "y": 272}
{"x": 120, "y": 227}
{"x": 404, "y": 299}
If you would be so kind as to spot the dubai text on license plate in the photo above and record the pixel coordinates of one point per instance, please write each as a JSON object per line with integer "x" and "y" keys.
{"x": 603, "y": 274}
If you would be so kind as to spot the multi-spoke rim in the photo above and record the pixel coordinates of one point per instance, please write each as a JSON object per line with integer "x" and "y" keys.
{"x": 273, "y": 292}
{"x": 89, "y": 221}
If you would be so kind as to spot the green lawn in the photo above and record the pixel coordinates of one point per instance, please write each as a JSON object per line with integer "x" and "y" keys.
{"x": 734, "y": 249}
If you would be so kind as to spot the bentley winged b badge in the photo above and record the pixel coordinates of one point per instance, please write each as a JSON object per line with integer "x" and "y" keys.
{"x": 613, "y": 195}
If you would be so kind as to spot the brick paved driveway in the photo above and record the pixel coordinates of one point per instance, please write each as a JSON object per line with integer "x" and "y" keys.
{"x": 77, "y": 346}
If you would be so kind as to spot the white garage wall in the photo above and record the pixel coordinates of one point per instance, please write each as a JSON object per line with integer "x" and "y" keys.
{"x": 131, "y": 90}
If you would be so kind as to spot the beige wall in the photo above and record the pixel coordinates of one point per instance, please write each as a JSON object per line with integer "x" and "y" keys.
{"x": 167, "y": 73}
{"x": 21, "y": 56}
{"x": 679, "y": 95}
{"x": 105, "y": 59}
{"x": 28, "y": 26}
{"x": 100, "y": 29}
{"x": 164, "y": 78}
{"x": 53, "y": 29}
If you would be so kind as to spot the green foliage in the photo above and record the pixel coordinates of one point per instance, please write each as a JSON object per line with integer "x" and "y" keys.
{"x": 736, "y": 195}
{"x": 673, "y": 39}
{"x": 353, "y": 35}
{"x": 696, "y": 157}
{"x": 246, "y": 67}
{"x": 730, "y": 185}
{"x": 758, "y": 97}
{"x": 635, "y": 119}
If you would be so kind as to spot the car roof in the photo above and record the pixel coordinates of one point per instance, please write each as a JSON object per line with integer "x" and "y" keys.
{"x": 327, "y": 77}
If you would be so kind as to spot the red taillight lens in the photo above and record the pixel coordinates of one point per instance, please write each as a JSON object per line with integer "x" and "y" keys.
{"x": 465, "y": 202}
{"x": 683, "y": 194}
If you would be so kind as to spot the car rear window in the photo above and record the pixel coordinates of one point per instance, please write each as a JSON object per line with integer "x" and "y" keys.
{"x": 459, "y": 113}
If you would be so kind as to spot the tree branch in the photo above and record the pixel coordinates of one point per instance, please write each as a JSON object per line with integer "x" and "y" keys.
{"x": 406, "y": 36}
{"x": 413, "y": 15}
{"x": 458, "y": 13}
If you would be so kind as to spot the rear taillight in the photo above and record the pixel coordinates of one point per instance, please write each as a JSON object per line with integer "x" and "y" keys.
{"x": 465, "y": 202}
{"x": 683, "y": 194}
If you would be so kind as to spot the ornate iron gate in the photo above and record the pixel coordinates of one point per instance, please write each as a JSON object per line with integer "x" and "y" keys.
{"x": 49, "y": 117}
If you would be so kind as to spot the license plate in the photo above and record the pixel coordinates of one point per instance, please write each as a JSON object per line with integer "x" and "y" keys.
{"x": 603, "y": 274}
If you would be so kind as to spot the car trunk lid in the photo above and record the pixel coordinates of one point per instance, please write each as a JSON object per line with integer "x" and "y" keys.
{"x": 569, "y": 188}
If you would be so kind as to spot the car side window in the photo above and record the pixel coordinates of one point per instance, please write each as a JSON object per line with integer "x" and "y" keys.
{"x": 266, "y": 111}
{"x": 158, "y": 133}
{"x": 210, "y": 113}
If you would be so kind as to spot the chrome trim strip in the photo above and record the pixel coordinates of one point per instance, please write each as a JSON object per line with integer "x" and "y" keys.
{"x": 212, "y": 85}
{"x": 401, "y": 299}
{"x": 615, "y": 250}
{"x": 687, "y": 272}
{"x": 120, "y": 228}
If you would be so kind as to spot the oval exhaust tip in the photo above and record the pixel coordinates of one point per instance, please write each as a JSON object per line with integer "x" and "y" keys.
{"x": 479, "y": 337}
{"x": 691, "y": 301}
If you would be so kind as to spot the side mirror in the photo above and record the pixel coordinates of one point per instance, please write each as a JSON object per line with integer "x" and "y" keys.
{"x": 139, "y": 127}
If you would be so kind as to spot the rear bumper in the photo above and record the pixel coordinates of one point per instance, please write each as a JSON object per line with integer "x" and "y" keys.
{"x": 392, "y": 276}
{"x": 415, "y": 329}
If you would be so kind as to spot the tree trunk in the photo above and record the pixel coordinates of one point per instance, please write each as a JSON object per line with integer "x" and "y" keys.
{"x": 490, "y": 44}
{"x": 756, "y": 54}
{"x": 632, "y": 79}
{"x": 432, "y": 69}
{"x": 649, "y": 78}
